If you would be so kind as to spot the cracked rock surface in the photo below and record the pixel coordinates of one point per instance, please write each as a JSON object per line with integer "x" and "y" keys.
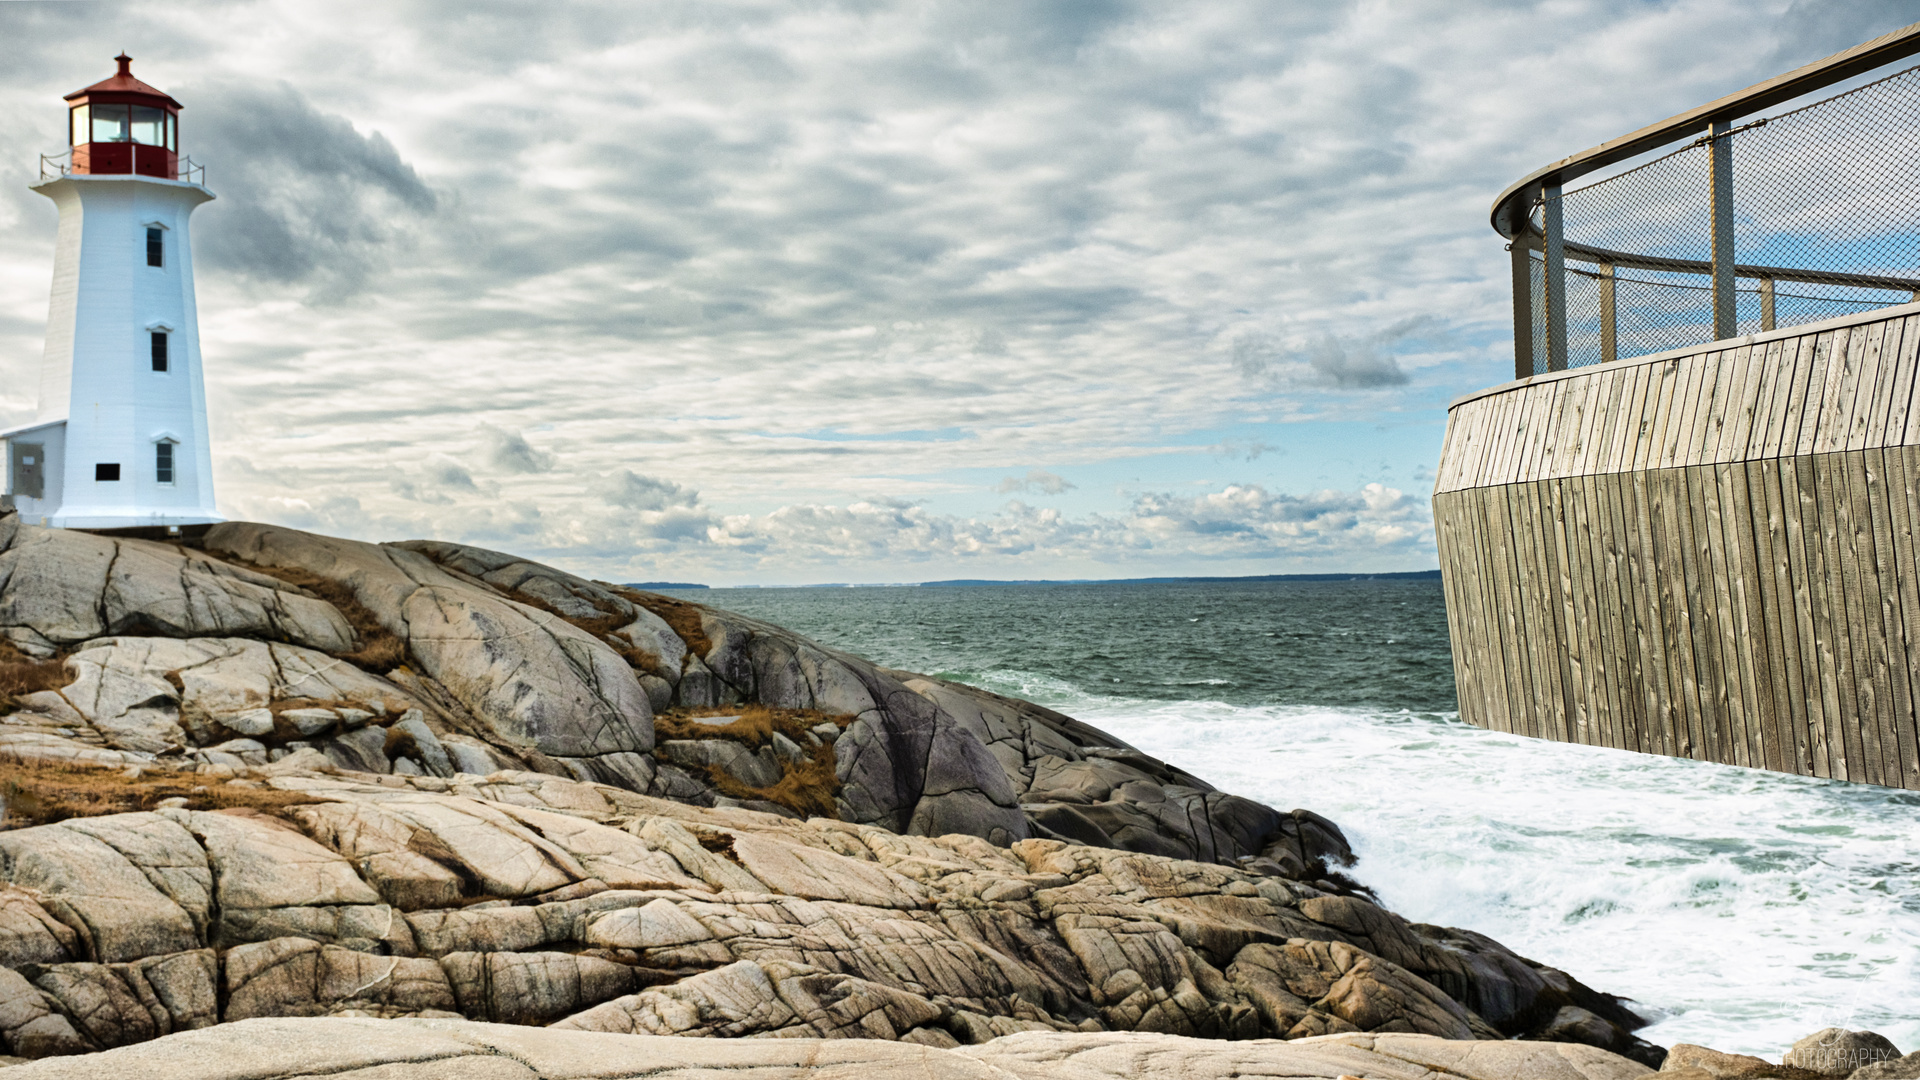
{"x": 460, "y": 810}
{"x": 367, "y": 1049}
{"x": 528, "y": 898}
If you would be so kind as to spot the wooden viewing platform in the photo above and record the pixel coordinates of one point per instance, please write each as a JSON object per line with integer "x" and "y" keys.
{"x": 1709, "y": 552}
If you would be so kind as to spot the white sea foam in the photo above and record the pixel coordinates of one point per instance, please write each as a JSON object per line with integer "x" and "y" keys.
{"x": 1745, "y": 909}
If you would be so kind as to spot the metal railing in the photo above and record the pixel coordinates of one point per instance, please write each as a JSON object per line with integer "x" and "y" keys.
{"x": 1754, "y": 226}
{"x": 55, "y": 166}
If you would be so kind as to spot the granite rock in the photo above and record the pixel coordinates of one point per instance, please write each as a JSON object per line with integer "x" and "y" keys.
{"x": 1838, "y": 1052}
{"x": 487, "y": 830}
{"x": 1901, "y": 1068}
{"x": 358, "y": 1047}
{"x": 527, "y": 898}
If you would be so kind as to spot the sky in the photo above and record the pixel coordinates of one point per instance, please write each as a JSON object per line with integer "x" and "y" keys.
{"x": 778, "y": 293}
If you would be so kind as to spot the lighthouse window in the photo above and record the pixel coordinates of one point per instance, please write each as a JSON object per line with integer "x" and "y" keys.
{"x": 149, "y": 125}
{"x": 156, "y": 247}
{"x": 163, "y": 462}
{"x": 112, "y": 123}
{"x": 79, "y": 134}
{"x": 159, "y": 351}
{"x": 107, "y": 471}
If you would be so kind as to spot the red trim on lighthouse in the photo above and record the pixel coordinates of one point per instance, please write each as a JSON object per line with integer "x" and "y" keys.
{"x": 124, "y": 104}
{"x": 123, "y": 82}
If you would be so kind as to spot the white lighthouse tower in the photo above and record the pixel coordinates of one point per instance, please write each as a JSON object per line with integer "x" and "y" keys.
{"x": 120, "y": 441}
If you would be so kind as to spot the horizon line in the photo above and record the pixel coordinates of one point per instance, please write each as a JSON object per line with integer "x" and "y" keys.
{"x": 985, "y": 582}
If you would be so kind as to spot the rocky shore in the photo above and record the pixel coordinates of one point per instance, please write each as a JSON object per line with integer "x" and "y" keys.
{"x": 278, "y": 801}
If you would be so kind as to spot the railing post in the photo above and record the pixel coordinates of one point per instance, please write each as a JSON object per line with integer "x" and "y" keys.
{"x": 1721, "y": 145}
{"x": 1766, "y": 304}
{"x": 1556, "y": 252}
{"x": 1609, "y": 321}
{"x": 1521, "y": 251}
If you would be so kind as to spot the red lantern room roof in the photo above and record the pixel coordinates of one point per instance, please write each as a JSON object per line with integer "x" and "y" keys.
{"x": 123, "y": 89}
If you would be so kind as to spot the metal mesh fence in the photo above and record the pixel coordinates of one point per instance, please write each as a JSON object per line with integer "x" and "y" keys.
{"x": 1826, "y": 222}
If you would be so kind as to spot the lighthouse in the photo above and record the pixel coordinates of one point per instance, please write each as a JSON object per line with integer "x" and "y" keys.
{"x": 120, "y": 438}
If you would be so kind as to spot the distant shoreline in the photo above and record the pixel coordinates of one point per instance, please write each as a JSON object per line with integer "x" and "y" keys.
{"x": 962, "y": 583}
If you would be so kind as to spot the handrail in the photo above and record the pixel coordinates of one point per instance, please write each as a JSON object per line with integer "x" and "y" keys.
{"x": 1603, "y": 256}
{"x": 1882, "y": 50}
{"x": 186, "y": 170}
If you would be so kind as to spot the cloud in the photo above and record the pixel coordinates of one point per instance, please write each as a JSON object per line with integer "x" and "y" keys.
{"x": 411, "y": 491}
{"x": 625, "y": 488}
{"x": 961, "y": 238}
{"x": 437, "y": 478}
{"x": 1360, "y": 362}
{"x": 1237, "y": 522}
{"x": 450, "y": 474}
{"x": 307, "y": 199}
{"x": 1353, "y": 367}
{"x": 509, "y": 452}
{"x": 1243, "y": 517}
{"x": 1037, "y": 480}
{"x": 1244, "y": 449}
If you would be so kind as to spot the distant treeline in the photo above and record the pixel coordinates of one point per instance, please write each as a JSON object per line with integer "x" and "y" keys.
{"x": 1410, "y": 575}
{"x": 1413, "y": 575}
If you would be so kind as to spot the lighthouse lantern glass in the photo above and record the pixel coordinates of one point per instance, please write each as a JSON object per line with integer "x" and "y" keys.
{"x": 149, "y": 126}
{"x": 111, "y": 123}
{"x": 77, "y": 132}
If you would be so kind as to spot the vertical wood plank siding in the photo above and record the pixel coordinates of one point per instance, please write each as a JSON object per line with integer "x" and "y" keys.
{"x": 1711, "y": 553}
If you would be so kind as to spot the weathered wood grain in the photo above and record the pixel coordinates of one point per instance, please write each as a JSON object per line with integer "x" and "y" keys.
{"x": 1712, "y": 554}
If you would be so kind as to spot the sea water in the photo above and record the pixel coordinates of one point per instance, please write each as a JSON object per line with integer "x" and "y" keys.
{"x": 1738, "y": 908}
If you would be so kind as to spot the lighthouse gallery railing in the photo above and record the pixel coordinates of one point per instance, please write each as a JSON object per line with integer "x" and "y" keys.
{"x": 1758, "y": 223}
{"x": 55, "y": 166}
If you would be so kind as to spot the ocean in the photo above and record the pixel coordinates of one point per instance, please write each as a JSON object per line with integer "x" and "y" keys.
{"x": 1740, "y": 909}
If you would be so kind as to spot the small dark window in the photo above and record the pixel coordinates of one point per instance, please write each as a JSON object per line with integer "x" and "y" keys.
{"x": 156, "y": 247}
{"x": 107, "y": 471}
{"x": 159, "y": 351}
{"x": 163, "y": 462}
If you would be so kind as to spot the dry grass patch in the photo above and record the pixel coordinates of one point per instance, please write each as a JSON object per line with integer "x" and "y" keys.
{"x": 21, "y": 674}
{"x": 395, "y": 709}
{"x": 285, "y": 732}
{"x": 719, "y": 843}
{"x": 755, "y": 727}
{"x": 380, "y": 649}
{"x": 380, "y": 654}
{"x": 807, "y": 787}
{"x": 640, "y": 659}
{"x": 599, "y": 626}
{"x": 681, "y": 617}
{"x": 40, "y": 794}
{"x": 602, "y": 627}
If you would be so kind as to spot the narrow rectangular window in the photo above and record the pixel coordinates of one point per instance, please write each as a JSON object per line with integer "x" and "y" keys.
{"x": 159, "y": 351}
{"x": 163, "y": 462}
{"x": 156, "y": 247}
{"x": 106, "y": 472}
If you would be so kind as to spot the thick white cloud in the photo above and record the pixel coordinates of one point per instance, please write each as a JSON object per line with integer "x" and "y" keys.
{"x": 534, "y": 274}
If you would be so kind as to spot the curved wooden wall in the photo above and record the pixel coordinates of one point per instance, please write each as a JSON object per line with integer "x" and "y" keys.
{"x": 1708, "y": 553}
